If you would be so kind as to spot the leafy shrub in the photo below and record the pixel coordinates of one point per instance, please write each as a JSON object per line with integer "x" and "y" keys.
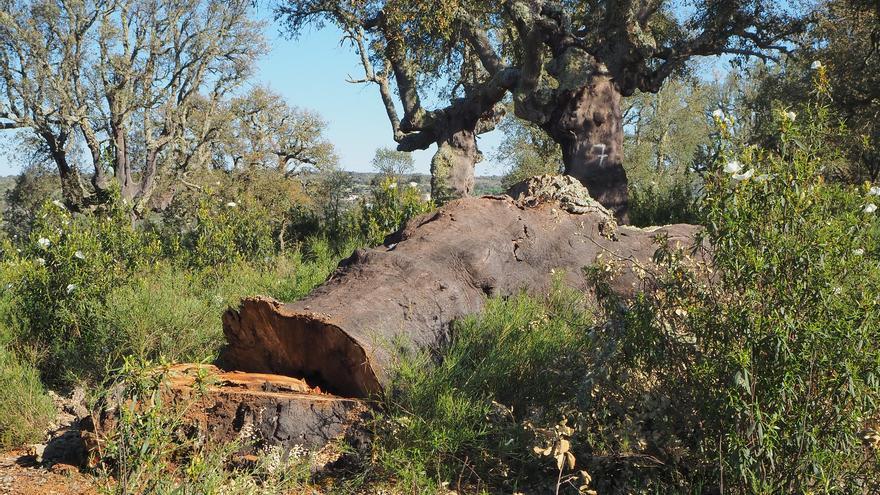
{"x": 764, "y": 376}
{"x": 86, "y": 291}
{"x": 663, "y": 204}
{"x": 62, "y": 276}
{"x": 390, "y": 207}
{"x": 219, "y": 231}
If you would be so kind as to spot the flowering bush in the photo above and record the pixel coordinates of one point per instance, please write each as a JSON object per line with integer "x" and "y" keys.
{"x": 390, "y": 207}
{"x": 761, "y": 371}
{"x": 59, "y": 277}
{"x": 219, "y": 231}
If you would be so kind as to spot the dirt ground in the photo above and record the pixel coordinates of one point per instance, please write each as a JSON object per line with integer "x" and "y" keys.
{"x": 20, "y": 474}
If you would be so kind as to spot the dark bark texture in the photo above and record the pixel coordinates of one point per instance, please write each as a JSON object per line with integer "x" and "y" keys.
{"x": 441, "y": 267}
{"x": 587, "y": 123}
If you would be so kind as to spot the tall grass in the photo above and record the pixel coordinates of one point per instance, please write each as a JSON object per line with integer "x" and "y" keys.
{"x": 471, "y": 420}
{"x": 25, "y": 409}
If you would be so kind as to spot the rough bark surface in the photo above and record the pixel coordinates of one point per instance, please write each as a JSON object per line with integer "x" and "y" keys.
{"x": 452, "y": 167}
{"x": 258, "y": 410}
{"x": 441, "y": 267}
{"x": 587, "y": 124}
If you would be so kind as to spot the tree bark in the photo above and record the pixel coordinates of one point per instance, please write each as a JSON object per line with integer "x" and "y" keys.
{"x": 441, "y": 267}
{"x": 452, "y": 167}
{"x": 587, "y": 124}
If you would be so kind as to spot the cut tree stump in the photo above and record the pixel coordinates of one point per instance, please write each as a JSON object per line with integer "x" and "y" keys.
{"x": 261, "y": 408}
{"x": 440, "y": 267}
{"x": 259, "y": 411}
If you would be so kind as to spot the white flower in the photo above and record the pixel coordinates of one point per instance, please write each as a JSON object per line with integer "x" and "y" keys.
{"x": 41, "y": 262}
{"x": 816, "y": 65}
{"x": 791, "y": 116}
{"x": 837, "y": 290}
{"x": 44, "y": 243}
{"x": 71, "y": 288}
{"x": 858, "y": 252}
{"x": 718, "y": 113}
{"x": 79, "y": 255}
{"x": 59, "y": 204}
{"x": 733, "y": 167}
{"x": 874, "y": 191}
{"x": 231, "y": 204}
{"x": 745, "y": 175}
{"x": 762, "y": 178}
{"x": 393, "y": 185}
{"x": 413, "y": 184}
{"x": 870, "y": 208}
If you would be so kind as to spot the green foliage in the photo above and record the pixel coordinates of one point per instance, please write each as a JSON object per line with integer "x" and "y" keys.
{"x": 224, "y": 233}
{"x": 64, "y": 273}
{"x": 389, "y": 208}
{"x": 656, "y": 204}
{"x": 148, "y": 450}
{"x": 35, "y": 185}
{"x": 843, "y": 40}
{"x": 25, "y": 409}
{"x": 527, "y": 151}
{"x": 765, "y": 373}
{"x": 88, "y": 290}
{"x": 392, "y": 163}
{"x": 238, "y": 216}
{"x": 470, "y": 420}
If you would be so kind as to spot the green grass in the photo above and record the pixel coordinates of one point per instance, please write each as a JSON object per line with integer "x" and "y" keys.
{"x": 471, "y": 420}
{"x": 25, "y": 409}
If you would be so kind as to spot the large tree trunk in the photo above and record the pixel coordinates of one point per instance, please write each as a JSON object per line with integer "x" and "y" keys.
{"x": 441, "y": 267}
{"x": 452, "y": 168}
{"x": 587, "y": 124}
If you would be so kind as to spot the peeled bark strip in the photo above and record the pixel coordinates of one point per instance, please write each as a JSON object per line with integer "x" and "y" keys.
{"x": 441, "y": 267}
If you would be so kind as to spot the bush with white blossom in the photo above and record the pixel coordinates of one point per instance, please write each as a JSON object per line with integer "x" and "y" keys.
{"x": 768, "y": 355}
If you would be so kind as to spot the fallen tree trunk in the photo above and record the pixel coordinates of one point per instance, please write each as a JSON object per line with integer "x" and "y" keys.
{"x": 441, "y": 267}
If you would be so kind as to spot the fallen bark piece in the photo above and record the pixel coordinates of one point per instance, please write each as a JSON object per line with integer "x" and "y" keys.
{"x": 440, "y": 267}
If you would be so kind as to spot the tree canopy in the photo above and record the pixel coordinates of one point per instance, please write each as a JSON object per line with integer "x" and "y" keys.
{"x": 566, "y": 64}
{"x": 123, "y": 78}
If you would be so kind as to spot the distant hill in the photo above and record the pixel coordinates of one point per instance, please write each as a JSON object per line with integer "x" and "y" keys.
{"x": 490, "y": 184}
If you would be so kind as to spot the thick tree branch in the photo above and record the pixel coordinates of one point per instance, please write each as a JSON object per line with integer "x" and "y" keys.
{"x": 479, "y": 41}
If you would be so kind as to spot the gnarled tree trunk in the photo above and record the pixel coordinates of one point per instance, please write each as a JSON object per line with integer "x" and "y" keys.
{"x": 587, "y": 124}
{"x": 452, "y": 167}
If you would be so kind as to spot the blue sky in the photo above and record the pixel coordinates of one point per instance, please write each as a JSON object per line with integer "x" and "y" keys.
{"x": 310, "y": 72}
